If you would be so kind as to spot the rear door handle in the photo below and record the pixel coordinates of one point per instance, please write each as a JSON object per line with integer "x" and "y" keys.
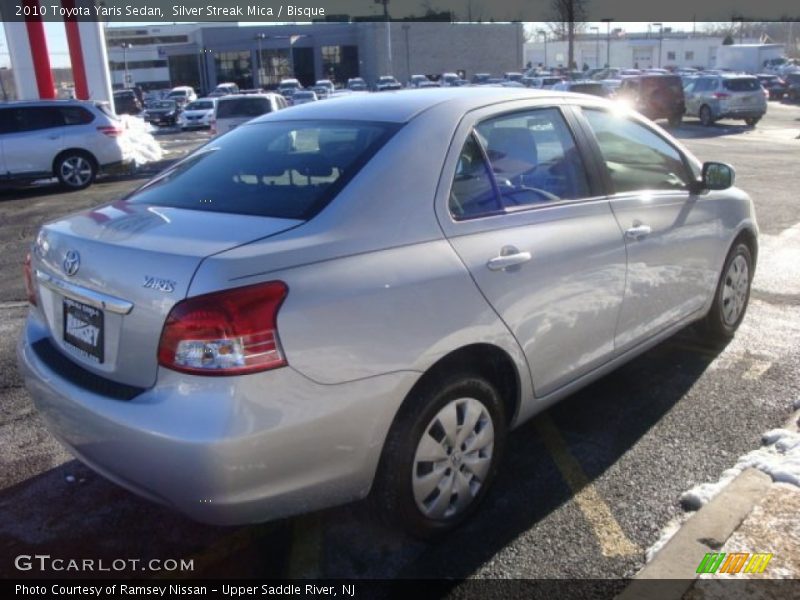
{"x": 637, "y": 232}
{"x": 509, "y": 257}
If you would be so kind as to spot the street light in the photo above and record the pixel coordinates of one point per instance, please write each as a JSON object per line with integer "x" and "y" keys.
{"x": 260, "y": 37}
{"x": 408, "y": 52}
{"x": 660, "y": 40}
{"x": 125, "y": 47}
{"x": 543, "y": 33}
{"x": 608, "y": 41}
{"x": 596, "y": 46}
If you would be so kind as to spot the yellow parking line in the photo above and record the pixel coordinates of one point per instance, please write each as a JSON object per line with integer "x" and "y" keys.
{"x": 612, "y": 540}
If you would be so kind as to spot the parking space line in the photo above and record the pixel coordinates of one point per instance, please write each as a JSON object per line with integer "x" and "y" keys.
{"x": 609, "y": 534}
{"x": 306, "y": 553}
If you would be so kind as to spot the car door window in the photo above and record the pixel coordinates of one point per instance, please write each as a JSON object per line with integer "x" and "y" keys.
{"x": 636, "y": 157}
{"x": 533, "y": 158}
{"x": 35, "y": 118}
{"x": 76, "y": 115}
{"x": 472, "y": 193}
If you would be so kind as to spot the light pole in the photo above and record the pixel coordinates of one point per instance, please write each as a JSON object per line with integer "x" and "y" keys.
{"x": 543, "y": 33}
{"x": 660, "y": 40}
{"x": 260, "y": 37}
{"x": 596, "y": 46}
{"x": 608, "y": 41}
{"x": 125, "y": 47}
{"x": 408, "y": 52}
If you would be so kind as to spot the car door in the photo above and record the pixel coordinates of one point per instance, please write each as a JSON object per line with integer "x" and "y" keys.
{"x": 30, "y": 150}
{"x": 692, "y": 94}
{"x": 670, "y": 233}
{"x": 521, "y": 212}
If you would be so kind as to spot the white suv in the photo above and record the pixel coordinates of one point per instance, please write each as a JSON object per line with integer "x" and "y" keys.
{"x": 232, "y": 111}
{"x": 70, "y": 140}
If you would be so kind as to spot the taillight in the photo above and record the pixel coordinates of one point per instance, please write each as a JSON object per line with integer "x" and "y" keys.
{"x": 720, "y": 95}
{"x": 30, "y": 290}
{"x": 110, "y": 130}
{"x": 225, "y": 333}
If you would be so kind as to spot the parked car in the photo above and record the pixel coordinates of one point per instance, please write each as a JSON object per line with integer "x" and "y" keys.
{"x": 545, "y": 83}
{"x": 322, "y": 91}
{"x": 224, "y": 89}
{"x": 182, "y": 95}
{"x": 67, "y": 139}
{"x": 417, "y": 81}
{"x": 793, "y": 86}
{"x": 448, "y": 79}
{"x": 512, "y": 76}
{"x": 726, "y": 96}
{"x": 357, "y": 84}
{"x": 197, "y": 114}
{"x": 126, "y": 102}
{"x": 303, "y": 97}
{"x": 387, "y": 83}
{"x": 276, "y": 343}
{"x": 655, "y": 96}
{"x": 593, "y": 88}
{"x": 481, "y": 78}
{"x": 162, "y": 112}
{"x": 325, "y": 83}
{"x": 232, "y": 111}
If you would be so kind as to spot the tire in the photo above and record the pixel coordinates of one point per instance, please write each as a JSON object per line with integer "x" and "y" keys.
{"x": 752, "y": 121}
{"x": 675, "y": 120}
{"x": 408, "y": 489}
{"x": 732, "y": 294}
{"x": 706, "y": 118}
{"x": 75, "y": 170}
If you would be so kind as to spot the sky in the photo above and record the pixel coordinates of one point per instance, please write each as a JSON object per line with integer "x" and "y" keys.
{"x": 59, "y": 56}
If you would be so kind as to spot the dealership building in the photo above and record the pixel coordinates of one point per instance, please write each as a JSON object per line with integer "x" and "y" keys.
{"x": 260, "y": 56}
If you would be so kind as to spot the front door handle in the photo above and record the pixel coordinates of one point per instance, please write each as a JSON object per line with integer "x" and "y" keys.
{"x": 509, "y": 257}
{"x": 638, "y": 231}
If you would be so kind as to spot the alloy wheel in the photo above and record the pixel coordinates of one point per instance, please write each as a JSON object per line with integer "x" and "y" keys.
{"x": 734, "y": 290}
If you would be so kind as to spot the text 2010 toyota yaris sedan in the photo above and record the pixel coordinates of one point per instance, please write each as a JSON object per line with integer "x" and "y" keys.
{"x": 366, "y": 294}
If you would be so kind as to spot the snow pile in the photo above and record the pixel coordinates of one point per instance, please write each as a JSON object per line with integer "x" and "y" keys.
{"x": 779, "y": 458}
{"x": 141, "y": 144}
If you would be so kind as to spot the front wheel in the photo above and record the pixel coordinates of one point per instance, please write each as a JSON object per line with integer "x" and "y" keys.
{"x": 751, "y": 121}
{"x": 75, "y": 170}
{"x": 441, "y": 455}
{"x": 732, "y": 295}
{"x": 706, "y": 118}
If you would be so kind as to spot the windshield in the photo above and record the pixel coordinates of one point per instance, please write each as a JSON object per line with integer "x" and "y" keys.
{"x": 177, "y": 94}
{"x": 206, "y": 105}
{"x": 742, "y": 85}
{"x": 286, "y": 169}
{"x": 242, "y": 107}
{"x": 160, "y": 104}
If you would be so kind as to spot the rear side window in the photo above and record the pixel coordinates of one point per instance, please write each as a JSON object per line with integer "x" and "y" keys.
{"x": 242, "y": 107}
{"x": 472, "y": 193}
{"x": 741, "y": 85}
{"x": 278, "y": 169}
{"x": 76, "y": 115}
{"x": 636, "y": 158}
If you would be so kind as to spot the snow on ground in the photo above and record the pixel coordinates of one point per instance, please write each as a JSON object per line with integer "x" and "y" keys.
{"x": 143, "y": 146}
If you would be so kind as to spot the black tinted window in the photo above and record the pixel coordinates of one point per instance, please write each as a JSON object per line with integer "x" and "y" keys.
{"x": 472, "y": 193}
{"x": 242, "y": 107}
{"x": 636, "y": 157}
{"x": 533, "y": 158}
{"x": 76, "y": 115}
{"x": 281, "y": 169}
{"x": 34, "y": 118}
{"x": 748, "y": 84}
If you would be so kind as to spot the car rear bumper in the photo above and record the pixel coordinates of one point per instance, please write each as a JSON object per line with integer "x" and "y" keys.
{"x": 223, "y": 450}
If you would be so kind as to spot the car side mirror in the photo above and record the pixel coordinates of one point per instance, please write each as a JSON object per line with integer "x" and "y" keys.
{"x": 717, "y": 176}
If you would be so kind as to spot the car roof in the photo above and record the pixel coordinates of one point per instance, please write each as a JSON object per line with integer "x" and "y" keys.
{"x": 64, "y": 102}
{"x": 403, "y": 105}
{"x": 246, "y": 96}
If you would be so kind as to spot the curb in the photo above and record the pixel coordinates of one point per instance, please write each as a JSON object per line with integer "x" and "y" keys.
{"x": 706, "y": 531}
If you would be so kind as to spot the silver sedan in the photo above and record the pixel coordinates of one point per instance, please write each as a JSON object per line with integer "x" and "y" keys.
{"x": 364, "y": 296}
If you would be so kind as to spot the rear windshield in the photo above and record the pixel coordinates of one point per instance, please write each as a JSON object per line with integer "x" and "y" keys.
{"x": 286, "y": 169}
{"x": 242, "y": 107}
{"x": 749, "y": 84}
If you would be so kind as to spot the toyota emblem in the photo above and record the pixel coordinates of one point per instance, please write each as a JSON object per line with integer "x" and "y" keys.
{"x": 72, "y": 262}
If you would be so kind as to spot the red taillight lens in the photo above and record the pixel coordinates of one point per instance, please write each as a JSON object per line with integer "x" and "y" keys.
{"x": 720, "y": 95}
{"x": 225, "y": 333}
{"x": 111, "y": 131}
{"x": 30, "y": 290}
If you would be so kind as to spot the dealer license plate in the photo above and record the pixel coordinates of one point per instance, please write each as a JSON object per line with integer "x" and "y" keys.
{"x": 83, "y": 329}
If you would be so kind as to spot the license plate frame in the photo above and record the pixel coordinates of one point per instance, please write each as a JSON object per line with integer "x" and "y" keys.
{"x": 84, "y": 329}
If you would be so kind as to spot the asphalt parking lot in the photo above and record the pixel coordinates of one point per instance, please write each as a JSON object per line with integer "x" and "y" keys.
{"x": 584, "y": 489}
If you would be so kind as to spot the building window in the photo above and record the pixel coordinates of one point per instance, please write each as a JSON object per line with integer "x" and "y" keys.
{"x": 234, "y": 67}
{"x": 137, "y": 64}
{"x": 689, "y": 55}
{"x": 148, "y": 41}
{"x": 275, "y": 66}
{"x": 339, "y": 63}
{"x": 670, "y": 56}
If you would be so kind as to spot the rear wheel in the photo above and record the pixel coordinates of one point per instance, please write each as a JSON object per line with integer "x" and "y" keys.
{"x": 706, "y": 118}
{"x": 751, "y": 121}
{"x": 75, "y": 170}
{"x": 441, "y": 455}
{"x": 732, "y": 295}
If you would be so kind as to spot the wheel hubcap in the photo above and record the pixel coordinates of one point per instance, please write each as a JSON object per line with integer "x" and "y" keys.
{"x": 76, "y": 171}
{"x": 453, "y": 458}
{"x": 734, "y": 292}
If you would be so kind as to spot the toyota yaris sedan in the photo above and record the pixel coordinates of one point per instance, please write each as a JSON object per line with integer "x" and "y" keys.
{"x": 363, "y": 297}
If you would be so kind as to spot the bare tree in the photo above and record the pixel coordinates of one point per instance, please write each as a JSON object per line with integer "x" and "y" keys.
{"x": 570, "y": 17}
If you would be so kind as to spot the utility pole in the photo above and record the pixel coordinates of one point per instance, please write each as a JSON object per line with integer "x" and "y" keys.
{"x": 608, "y": 41}
{"x": 596, "y": 46}
{"x": 543, "y": 33}
{"x": 406, "y": 27}
{"x": 125, "y": 47}
{"x": 259, "y": 63}
{"x": 660, "y": 40}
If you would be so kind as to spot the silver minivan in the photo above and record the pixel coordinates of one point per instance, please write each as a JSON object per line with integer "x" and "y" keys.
{"x": 726, "y": 96}
{"x": 232, "y": 111}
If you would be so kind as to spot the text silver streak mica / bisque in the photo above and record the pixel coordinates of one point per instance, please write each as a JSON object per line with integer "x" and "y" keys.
{"x": 365, "y": 295}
